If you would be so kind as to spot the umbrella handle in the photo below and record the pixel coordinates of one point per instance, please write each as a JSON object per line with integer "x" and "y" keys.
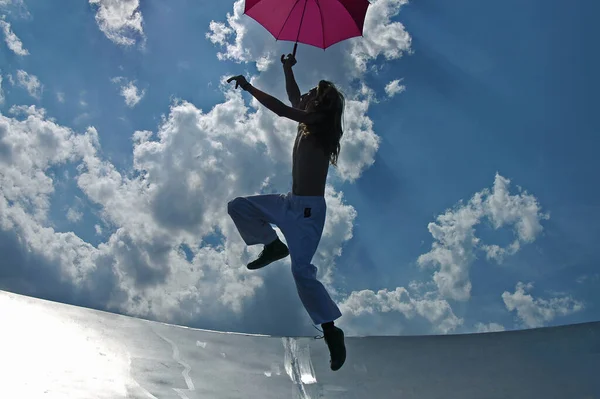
{"x": 295, "y": 46}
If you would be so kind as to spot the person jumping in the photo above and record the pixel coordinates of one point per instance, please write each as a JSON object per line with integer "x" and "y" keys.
{"x": 299, "y": 214}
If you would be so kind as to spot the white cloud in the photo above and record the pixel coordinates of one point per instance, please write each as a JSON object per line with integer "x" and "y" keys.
{"x": 382, "y": 35}
{"x": 12, "y": 41}
{"x": 120, "y": 20}
{"x": 60, "y": 96}
{"x": 436, "y": 311}
{"x": 394, "y": 87}
{"x": 339, "y": 224}
{"x": 522, "y": 211}
{"x": 588, "y": 278}
{"x": 219, "y": 32}
{"x": 241, "y": 48}
{"x": 244, "y": 40}
{"x": 130, "y": 92}
{"x": 1, "y": 92}
{"x": 535, "y": 312}
{"x": 141, "y": 253}
{"x": 184, "y": 174}
{"x": 74, "y": 215}
{"x": 196, "y": 161}
{"x": 218, "y": 151}
{"x": 490, "y": 327}
{"x": 9, "y": 6}
{"x": 359, "y": 142}
{"x": 241, "y": 39}
{"x": 455, "y": 242}
{"x": 214, "y": 156}
{"x": 453, "y": 251}
{"x": 31, "y": 83}
{"x": 27, "y": 148}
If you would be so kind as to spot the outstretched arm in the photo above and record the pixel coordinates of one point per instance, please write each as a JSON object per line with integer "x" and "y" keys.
{"x": 291, "y": 86}
{"x": 273, "y": 104}
{"x": 295, "y": 114}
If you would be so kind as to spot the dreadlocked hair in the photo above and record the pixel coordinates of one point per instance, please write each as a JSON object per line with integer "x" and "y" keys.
{"x": 330, "y": 101}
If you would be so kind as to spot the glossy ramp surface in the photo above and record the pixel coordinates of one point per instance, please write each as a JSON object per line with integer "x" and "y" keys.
{"x": 52, "y": 350}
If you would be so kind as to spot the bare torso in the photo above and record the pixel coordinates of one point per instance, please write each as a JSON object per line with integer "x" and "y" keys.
{"x": 309, "y": 167}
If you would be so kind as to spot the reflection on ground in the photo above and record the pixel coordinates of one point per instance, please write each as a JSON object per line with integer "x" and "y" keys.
{"x": 52, "y": 350}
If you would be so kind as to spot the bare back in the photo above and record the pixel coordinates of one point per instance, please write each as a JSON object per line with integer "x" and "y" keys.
{"x": 310, "y": 165}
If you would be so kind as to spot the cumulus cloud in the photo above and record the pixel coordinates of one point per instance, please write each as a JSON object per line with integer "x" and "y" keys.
{"x": 241, "y": 39}
{"x": 593, "y": 278}
{"x": 453, "y": 252}
{"x": 120, "y": 20}
{"x": 155, "y": 261}
{"x": 10, "y": 6}
{"x": 455, "y": 243}
{"x": 156, "y": 220}
{"x": 28, "y": 148}
{"x": 394, "y": 87}
{"x": 489, "y": 327}
{"x": 31, "y": 83}
{"x": 74, "y": 215}
{"x": 12, "y": 41}
{"x": 536, "y": 312}
{"x": 130, "y": 92}
{"x": 185, "y": 173}
{"x": 360, "y": 142}
{"x": 144, "y": 271}
{"x": 522, "y": 211}
{"x": 244, "y": 40}
{"x": 219, "y": 33}
{"x": 1, "y": 92}
{"x": 338, "y": 229}
{"x": 382, "y": 35}
{"x": 430, "y": 307}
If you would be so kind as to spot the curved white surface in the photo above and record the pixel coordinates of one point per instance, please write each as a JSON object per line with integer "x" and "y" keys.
{"x": 52, "y": 350}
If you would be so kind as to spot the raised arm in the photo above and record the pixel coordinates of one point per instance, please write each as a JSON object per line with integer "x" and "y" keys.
{"x": 291, "y": 86}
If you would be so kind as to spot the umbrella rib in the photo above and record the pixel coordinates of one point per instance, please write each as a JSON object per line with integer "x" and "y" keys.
{"x": 353, "y": 20}
{"x": 301, "y": 20}
{"x": 322, "y": 23}
{"x": 288, "y": 17}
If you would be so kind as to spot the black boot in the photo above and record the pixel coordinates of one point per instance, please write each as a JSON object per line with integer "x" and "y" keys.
{"x": 272, "y": 252}
{"x": 334, "y": 337}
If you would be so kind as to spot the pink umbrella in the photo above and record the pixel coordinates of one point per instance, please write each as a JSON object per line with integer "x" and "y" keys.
{"x": 319, "y": 23}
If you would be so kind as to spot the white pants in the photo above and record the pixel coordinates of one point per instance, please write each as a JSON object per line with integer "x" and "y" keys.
{"x": 301, "y": 220}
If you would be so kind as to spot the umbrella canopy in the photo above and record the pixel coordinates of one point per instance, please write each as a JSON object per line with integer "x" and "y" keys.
{"x": 319, "y": 23}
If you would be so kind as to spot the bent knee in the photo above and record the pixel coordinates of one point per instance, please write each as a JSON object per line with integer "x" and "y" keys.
{"x": 304, "y": 271}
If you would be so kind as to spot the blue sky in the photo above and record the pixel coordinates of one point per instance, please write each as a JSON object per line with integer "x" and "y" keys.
{"x": 494, "y": 97}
